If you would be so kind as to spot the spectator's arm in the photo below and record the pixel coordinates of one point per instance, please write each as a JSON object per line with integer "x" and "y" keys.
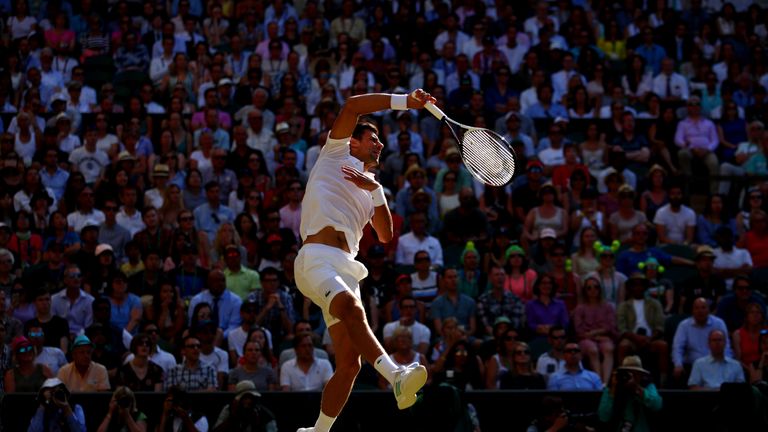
{"x": 712, "y": 139}
{"x": 605, "y": 410}
{"x": 680, "y": 139}
{"x": 651, "y": 398}
{"x": 695, "y": 381}
{"x": 678, "y": 346}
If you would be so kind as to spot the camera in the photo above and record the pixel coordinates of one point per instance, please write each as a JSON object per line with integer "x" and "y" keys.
{"x": 59, "y": 395}
{"x": 623, "y": 376}
{"x": 124, "y": 402}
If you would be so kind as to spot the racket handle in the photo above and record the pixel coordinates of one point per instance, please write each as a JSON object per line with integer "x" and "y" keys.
{"x": 435, "y": 111}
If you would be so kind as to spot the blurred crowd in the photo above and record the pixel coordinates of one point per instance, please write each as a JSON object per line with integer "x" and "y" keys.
{"x": 154, "y": 155}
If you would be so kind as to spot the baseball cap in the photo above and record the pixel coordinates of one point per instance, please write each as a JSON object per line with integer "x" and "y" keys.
{"x": 224, "y": 82}
{"x": 52, "y": 383}
{"x": 282, "y": 127}
{"x": 534, "y": 165}
{"x": 100, "y": 249}
{"x": 81, "y": 340}
{"x": 20, "y": 342}
{"x": 246, "y": 387}
{"x": 161, "y": 170}
{"x": 705, "y": 251}
{"x": 547, "y": 233}
{"x": 125, "y": 156}
{"x": 502, "y": 320}
{"x": 58, "y": 97}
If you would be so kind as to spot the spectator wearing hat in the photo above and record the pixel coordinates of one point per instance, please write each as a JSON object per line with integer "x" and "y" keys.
{"x": 55, "y": 409}
{"x": 192, "y": 374}
{"x": 640, "y": 322}
{"x": 26, "y": 374}
{"x": 418, "y": 239}
{"x": 692, "y": 334}
{"x": 705, "y": 283}
{"x": 734, "y": 307}
{"x": 112, "y": 233}
{"x": 454, "y": 164}
{"x": 629, "y": 398}
{"x": 497, "y": 302}
{"x": 245, "y": 412}
{"x": 711, "y": 371}
{"x": 240, "y": 280}
{"x": 85, "y": 213}
{"x": 225, "y": 305}
{"x": 697, "y": 138}
{"x": 73, "y": 303}
{"x": 154, "y": 197}
{"x": 407, "y": 308}
{"x": 82, "y": 374}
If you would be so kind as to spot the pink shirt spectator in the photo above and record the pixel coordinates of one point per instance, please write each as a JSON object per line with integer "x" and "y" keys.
{"x": 521, "y": 286}
{"x": 696, "y": 134}
{"x": 592, "y": 317}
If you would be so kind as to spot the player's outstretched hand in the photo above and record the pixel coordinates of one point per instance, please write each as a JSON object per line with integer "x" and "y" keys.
{"x": 418, "y": 98}
{"x": 359, "y": 179}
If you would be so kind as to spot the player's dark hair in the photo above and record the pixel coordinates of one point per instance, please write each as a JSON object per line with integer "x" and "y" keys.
{"x": 362, "y": 127}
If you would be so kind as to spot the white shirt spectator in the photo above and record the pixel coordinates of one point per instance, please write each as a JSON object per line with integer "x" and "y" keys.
{"x": 77, "y": 220}
{"x": 314, "y": 380}
{"x": 90, "y": 164}
{"x": 52, "y": 357}
{"x": 460, "y": 39}
{"x": 552, "y": 157}
{"x": 236, "y": 339}
{"x": 678, "y": 86}
{"x": 218, "y": 359}
{"x": 547, "y": 365}
{"x": 528, "y": 98}
{"x": 409, "y": 245}
{"x": 421, "y": 333}
{"x": 133, "y": 223}
{"x": 675, "y": 222}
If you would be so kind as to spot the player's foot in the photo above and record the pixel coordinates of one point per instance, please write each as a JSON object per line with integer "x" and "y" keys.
{"x": 408, "y": 381}
{"x": 312, "y": 429}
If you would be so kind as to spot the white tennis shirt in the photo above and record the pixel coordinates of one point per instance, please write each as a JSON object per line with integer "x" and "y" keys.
{"x": 331, "y": 200}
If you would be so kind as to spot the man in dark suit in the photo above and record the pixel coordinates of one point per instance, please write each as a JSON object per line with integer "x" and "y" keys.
{"x": 680, "y": 45}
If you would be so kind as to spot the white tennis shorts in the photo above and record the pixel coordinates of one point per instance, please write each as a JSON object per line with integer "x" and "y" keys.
{"x": 323, "y": 271}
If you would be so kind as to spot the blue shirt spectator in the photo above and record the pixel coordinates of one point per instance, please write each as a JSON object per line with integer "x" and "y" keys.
{"x": 574, "y": 376}
{"x": 225, "y": 305}
{"x": 710, "y": 373}
{"x": 690, "y": 342}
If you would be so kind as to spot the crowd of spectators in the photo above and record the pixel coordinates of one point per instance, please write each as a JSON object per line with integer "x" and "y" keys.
{"x": 154, "y": 155}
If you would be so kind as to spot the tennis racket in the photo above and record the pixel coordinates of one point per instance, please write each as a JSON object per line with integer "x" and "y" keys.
{"x": 487, "y": 156}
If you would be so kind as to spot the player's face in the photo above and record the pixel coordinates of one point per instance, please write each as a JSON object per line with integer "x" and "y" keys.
{"x": 370, "y": 147}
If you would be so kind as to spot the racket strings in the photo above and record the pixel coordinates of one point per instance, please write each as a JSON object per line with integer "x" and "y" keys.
{"x": 488, "y": 157}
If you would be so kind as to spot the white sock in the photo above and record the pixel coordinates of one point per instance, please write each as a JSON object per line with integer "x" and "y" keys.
{"x": 386, "y": 367}
{"x": 324, "y": 422}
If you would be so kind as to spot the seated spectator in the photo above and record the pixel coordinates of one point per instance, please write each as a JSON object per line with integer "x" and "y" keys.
{"x": 157, "y": 355}
{"x": 212, "y": 355}
{"x": 630, "y": 398}
{"x": 659, "y": 288}
{"x": 692, "y": 335}
{"x": 56, "y": 328}
{"x": 564, "y": 278}
{"x": 246, "y": 413}
{"x": 755, "y": 241}
{"x": 626, "y": 217}
{"x": 585, "y": 259}
{"x": 696, "y": 136}
{"x": 546, "y": 107}
{"x": 520, "y": 375}
{"x": 711, "y": 371}
{"x": 453, "y": 304}
{"x": 545, "y": 310}
{"x": 503, "y": 357}
{"x": 253, "y": 370}
{"x": 122, "y": 413}
{"x": 472, "y": 281}
{"x": 460, "y": 367}
{"x": 55, "y": 409}
{"x": 72, "y": 303}
{"x": 595, "y": 324}
{"x": 416, "y": 240}
{"x": 305, "y": 372}
{"x": 714, "y": 219}
{"x": 168, "y": 309}
{"x": 675, "y": 222}
{"x": 496, "y": 302}
{"x": 238, "y": 336}
{"x": 52, "y": 357}
{"x": 628, "y": 259}
{"x": 732, "y": 307}
{"x": 640, "y": 322}
{"x": 123, "y": 303}
{"x": 26, "y": 375}
{"x": 241, "y": 280}
{"x": 419, "y": 333}
{"x": 730, "y": 261}
{"x": 547, "y": 215}
{"x": 82, "y": 374}
{"x": 746, "y": 338}
{"x": 704, "y": 283}
{"x": 424, "y": 279}
{"x": 552, "y": 361}
{"x": 573, "y": 376}
{"x": 192, "y": 374}
{"x": 274, "y": 306}
{"x": 519, "y": 278}
{"x": 611, "y": 281}
{"x": 223, "y": 303}
{"x": 140, "y": 373}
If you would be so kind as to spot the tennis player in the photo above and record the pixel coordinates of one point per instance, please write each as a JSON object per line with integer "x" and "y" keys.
{"x": 342, "y": 196}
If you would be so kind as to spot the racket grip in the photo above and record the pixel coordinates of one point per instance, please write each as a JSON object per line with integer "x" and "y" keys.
{"x": 435, "y": 111}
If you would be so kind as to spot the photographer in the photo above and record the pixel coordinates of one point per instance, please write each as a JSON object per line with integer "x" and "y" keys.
{"x": 177, "y": 416}
{"x": 245, "y": 413}
{"x": 627, "y": 403}
{"x": 123, "y": 415}
{"x": 55, "y": 414}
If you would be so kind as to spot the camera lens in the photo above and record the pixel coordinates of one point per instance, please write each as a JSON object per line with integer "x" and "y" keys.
{"x": 124, "y": 402}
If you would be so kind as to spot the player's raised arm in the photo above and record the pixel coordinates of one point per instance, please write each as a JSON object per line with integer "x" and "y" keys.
{"x": 373, "y": 102}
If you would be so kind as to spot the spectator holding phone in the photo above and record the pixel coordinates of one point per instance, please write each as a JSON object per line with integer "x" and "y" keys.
{"x": 122, "y": 414}
{"x": 55, "y": 410}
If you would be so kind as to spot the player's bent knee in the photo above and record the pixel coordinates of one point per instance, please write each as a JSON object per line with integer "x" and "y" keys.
{"x": 345, "y": 306}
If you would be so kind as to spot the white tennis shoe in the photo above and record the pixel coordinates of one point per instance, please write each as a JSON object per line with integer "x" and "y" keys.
{"x": 408, "y": 381}
{"x": 312, "y": 429}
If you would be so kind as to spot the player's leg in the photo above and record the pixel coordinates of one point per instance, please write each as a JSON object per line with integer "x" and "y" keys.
{"x": 337, "y": 389}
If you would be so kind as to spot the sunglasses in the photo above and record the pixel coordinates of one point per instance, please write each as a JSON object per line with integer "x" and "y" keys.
{"x": 36, "y": 334}
{"x": 25, "y": 349}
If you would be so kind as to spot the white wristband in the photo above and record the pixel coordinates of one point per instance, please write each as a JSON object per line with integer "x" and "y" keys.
{"x": 378, "y": 197}
{"x": 399, "y": 102}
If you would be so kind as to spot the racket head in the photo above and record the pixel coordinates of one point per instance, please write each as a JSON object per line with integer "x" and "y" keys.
{"x": 488, "y": 156}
